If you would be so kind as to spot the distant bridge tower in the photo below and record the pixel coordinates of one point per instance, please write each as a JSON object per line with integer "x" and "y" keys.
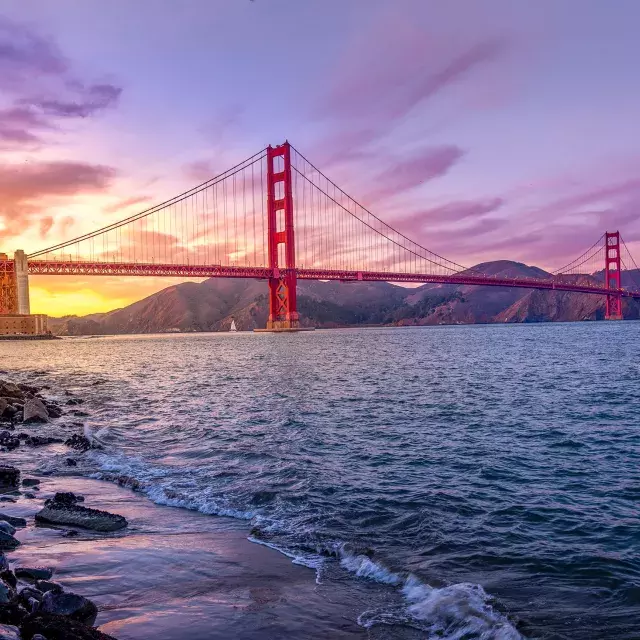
{"x": 613, "y": 276}
{"x": 283, "y": 310}
{"x": 22, "y": 282}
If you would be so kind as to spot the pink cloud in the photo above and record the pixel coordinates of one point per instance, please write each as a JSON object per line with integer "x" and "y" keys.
{"x": 412, "y": 172}
{"x": 126, "y": 203}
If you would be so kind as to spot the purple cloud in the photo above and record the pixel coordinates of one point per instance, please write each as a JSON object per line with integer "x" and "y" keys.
{"x": 412, "y": 172}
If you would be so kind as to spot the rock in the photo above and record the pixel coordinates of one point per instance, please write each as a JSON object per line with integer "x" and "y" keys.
{"x": 71, "y": 533}
{"x": 7, "y": 528}
{"x": 71, "y": 605}
{"x": 57, "y": 627}
{"x": 16, "y": 522}
{"x": 9, "y": 632}
{"x": 79, "y": 443}
{"x": 8, "y": 440}
{"x": 74, "y": 515}
{"x": 9, "y": 578}
{"x": 47, "y": 585}
{"x": 27, "y": 594}
{"x": 12, "y": 613}
{"x": 10, "y": 390}
{"x": 78, "y": 413}
{"x": 35, "y": 411}
{"x": 30, "y": 482}
{"x": 37, "y": 441}
{"x": 54, "y": 410}
{"x": 6, "y": 593}
{"x": 65, "y": 497}
{"x": 30, "y": 495}
{"x": 4, "y": 403}
{"x": 9, "y": 476}
{"x": 4, "y": 563}
{"x": 75, "y": 401}
{"x": 71, "y": 462}
{"x": 33, "y": 573}
{"x": 7, "y": 541}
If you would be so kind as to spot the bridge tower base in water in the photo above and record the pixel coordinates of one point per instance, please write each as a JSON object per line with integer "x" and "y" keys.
{"x": 613, "y": 275}
{"x": 283, "y": 308}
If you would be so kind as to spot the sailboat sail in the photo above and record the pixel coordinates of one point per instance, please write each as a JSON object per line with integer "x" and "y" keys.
{"x": 233, "y": 326}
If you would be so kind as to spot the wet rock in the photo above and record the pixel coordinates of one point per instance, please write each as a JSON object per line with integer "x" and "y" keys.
{"x": 9, "y": 632}
{"x": 7, "y": 528}
{"x": 8, "y": 440}
{"x": 78, "y": 442}
{"x": 27, "y": 594}
{"x": 10, "y": 390}
{"x": 35, "y": 412}
{"x": 7, "y": 541}
{"x": 71, "y": 605}
{"x": 30, "y": 495}
{"x": 30, "y": 482}
{"x": 38, "y": 441}
{"x": 4, "y": 563}
{"x": 53, "y": 409}
{"x": 12, "y": 613}
{"x": 65, "y": 497}
{"x": 6, "y": 593}
{"x": 57, "y": 627}
{"x": 75, "y": 401}
{"x": 46, "y": 585}
{"x": 33, "y": 573}
{"x": 9, "y": 476}
{"x": 16, "y": 522}
{"x": 22, "y": 436}
{"x": 74, "y": 515}
{"x": 70, "y": 462}
{"x": 78, "y": 413}
{"x": 8, "y": 577}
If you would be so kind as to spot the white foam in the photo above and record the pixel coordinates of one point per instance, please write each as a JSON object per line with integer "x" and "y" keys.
{"x": 310, "y": 560}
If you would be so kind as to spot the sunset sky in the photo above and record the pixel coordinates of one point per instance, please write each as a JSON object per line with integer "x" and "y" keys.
{"x": 485, "y": 130}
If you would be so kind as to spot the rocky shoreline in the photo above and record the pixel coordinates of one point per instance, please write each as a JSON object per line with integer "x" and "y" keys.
{"x": 33, "y": 606}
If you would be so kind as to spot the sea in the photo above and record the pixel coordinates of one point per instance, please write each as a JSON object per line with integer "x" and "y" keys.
{"x": 486, "y": 476}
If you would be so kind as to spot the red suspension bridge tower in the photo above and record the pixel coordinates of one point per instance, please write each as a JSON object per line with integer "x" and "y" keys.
{"x": 283, "y": 309}
{"x": 613, "y": 275}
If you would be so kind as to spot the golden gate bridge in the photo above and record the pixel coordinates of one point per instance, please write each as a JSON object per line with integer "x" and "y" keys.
{"x": 275, "y": 216}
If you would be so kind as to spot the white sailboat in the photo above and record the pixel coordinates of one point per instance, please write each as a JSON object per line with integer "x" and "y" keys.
{"x": 233, "y": 326}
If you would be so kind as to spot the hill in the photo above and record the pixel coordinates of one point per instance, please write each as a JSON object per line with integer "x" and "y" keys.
{"x": 212, "y": 304}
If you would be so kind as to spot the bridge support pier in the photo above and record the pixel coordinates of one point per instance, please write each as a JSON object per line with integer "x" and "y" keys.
{"x": 613, "y": 276}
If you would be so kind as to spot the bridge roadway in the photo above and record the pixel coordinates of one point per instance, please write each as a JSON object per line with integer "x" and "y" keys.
{"x": 58, "y": 268}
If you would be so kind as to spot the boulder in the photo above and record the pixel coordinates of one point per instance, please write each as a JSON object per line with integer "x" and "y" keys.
{"x": 27, "y": 595}
{"x": 7, "y": 541}
{"x": 10, "y": 390}
{"x": 8, "y": 440}
{"x": 30, "y": 482}
{"x": 54, "y": 410}
{"x": 30, "y": 495}
{"x": 9, "y": 476}
{"x": 35, "y": 411}
{"x": 16, "y": 522}
{"x": 33, "y": 573}
{"x": 78, "y": 413}
{"x": 75, "y": 401}
{"x": 6, "y": 593}
{"x": 48, "y": 585}
{"x": 57, "y": 627}
{"x": 4, "y": 563}
{"x": 65, "y": 497}
{"x": 75, "y": 515}
{"x": 9, "y": 578}
{"x": 9, "y": 632}
{"x": 7, "y": 528}
{"x": 70, "y": 462}
{"x": 78, "y": 442}
{"x": 71, "y": 605}
{"x": 12, "y": 613}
